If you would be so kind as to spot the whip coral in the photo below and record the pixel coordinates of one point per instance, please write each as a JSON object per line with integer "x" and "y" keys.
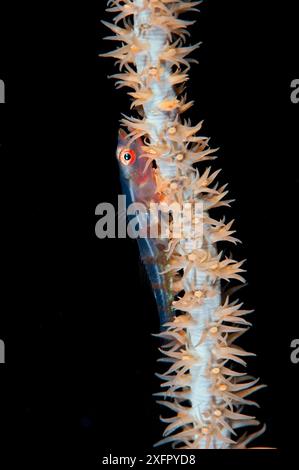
{"x": 203, "y": 386}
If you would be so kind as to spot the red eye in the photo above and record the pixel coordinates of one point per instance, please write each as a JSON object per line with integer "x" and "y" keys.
{"x": 127, "y": 157}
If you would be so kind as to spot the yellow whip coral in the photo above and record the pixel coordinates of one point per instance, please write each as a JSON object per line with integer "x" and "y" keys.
{"x": 203, "y": 386}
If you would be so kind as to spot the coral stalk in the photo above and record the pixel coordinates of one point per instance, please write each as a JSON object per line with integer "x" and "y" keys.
{"x": 202, "y": 386}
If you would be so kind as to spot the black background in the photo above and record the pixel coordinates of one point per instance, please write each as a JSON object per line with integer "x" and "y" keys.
{"x": 77, "y": 312}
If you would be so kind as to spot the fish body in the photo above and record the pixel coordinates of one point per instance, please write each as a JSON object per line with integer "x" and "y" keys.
{"x": 139, "y": 186}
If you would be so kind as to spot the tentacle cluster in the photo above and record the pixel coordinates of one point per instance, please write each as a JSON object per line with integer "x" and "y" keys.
{"x": 203, "y": 386}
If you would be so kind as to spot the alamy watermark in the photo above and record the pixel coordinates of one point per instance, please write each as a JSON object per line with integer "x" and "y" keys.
{"x": 295, "y": 351}
{"x": 156, "y": 220}
{"x": 2, "y": 91}
{"x": 295, "y": 91}
{"x": 2, "y": 352}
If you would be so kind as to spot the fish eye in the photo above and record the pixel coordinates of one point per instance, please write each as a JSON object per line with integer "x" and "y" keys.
{"x": 127, "y": 157}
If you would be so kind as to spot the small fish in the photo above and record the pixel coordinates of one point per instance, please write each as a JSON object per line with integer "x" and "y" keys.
{"x": 138, "y": 182}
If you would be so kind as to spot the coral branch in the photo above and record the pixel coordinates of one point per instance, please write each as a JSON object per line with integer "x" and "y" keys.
{"x": 202, "y": 386}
